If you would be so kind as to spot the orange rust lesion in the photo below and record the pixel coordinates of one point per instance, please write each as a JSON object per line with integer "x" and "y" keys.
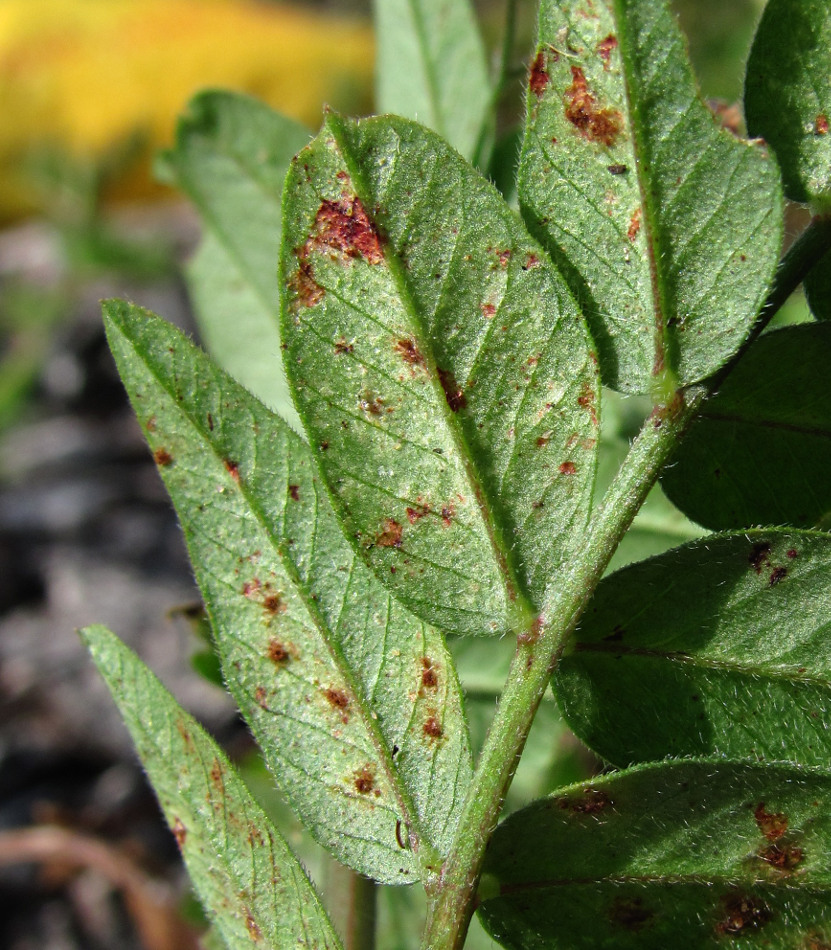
{"x": 162, "y": 458}
{"x": 343, "y": 226}
{"x": 539, "y": 78}
{"x": 604, "y": 49}
{"x": 390, "y": 534}
{"x": 634, "y": 225}
{"x": 594, "y": 123}
{"x": 772, "y": 824}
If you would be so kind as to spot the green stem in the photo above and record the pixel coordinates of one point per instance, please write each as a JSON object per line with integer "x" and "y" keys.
{"x": 351, "y": 902}
{"x": 539, "y": 649}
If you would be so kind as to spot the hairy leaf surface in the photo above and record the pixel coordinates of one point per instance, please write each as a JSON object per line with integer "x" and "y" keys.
{"x": 441, "y": 366}
{"x": 689, "y": 854}
{"x": 354, "y": 702}
{"x": 760, "y": 450}
{"x": 787, "y": 94}
{"x": 246, "y": 876}
{"x": 431, "y": 66}
{"x": 667, "y": 227}
{"x": 720, "y": 646}
{"x": 230, "y": 158}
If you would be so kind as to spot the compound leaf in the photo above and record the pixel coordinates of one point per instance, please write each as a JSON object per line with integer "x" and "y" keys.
{"x": 684, "y": 854}
{"x": 440, "y": 364}
{"x": 246, "y": 876}
{"x": 230, "y": 158}
{"x": 787, "y": 94}
{"x": 431, "y": 66}
{"x": 666, "y": 225}
{"x": 354, "y": 703}
{"x": 717, "y": 647}
{"x": 760, "y": 450}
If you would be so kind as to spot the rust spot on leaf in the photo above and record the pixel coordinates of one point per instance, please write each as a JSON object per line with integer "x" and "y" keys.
{"x": 776, "y": 575}
{"x": 586, "y": 401}
{"x": 634, "y": 225}
{"x": 252, "y": 928}
{"x": 742, "y": 914}
{"x": 605, "y": 47}
{"x": 364, "y": 780}
{"x": 294, "y": 492}
{"x": 592, "y": 122}
{"x": 447, "y": 515}
{"x": 409, "y": 352}
{"x": 532, "y": 262}
{"x": 150, "y": 425}
{"x": 232, "y": 468}
{"x": 791, "y": 553}
{"x": 278, "y": 652}
{"x": 342, "y": 347}
{"x": 336, "y": 698}
{"x": 630, "y": 913}
{"x": 415, "y": 514}
{"x": 429, "y": 678}
{"x": 216, "y": 774}
{"x": 390, "y": 535}
{"x": 539, "y": 78}
{"x": 163, "y": 458}
{"x": 759, "y": 556}
{"x": 821, "y": 124}
{"x": 307, "y": 291}
{"x": 617, "y": 169}
{"x": 772, "y": 824}
{"x": 371, "y": 403}
{"x": 593, "y": 802}
{"x": 261, "y": 695}
{"x": 432, "y": 728}
{"x": 273, "y": 603}
{"x": 783, "y": 857}
{"x": 568, "y": 468}
{"x": 180, "y": 833}
{"x": 454, "y": 395}
{"x": 488, "y": 310}
{"x": 344, "y": 226}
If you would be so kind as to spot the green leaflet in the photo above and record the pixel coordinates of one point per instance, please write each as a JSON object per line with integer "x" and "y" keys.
{"x": 667, "y": 227}
{"x": 718, "y": 647}
{"x": 787, "y": 94}
{"x": 694, "y": 854}
{"x": 431, "y": 66}
{"x": 760, "y": 450}
{"x": 230, "y": 158}
{"x": 248, "y": 880}
{"x": 440, "y": 365}
{"x": 354, "y": 703}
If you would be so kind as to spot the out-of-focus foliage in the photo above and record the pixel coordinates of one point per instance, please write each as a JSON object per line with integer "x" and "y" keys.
{"x": 86, "y": 76}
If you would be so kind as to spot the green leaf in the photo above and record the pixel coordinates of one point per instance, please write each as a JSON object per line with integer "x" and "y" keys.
{"x": 667, "y": 227}
{"x": 720, "y": 646}
{"x": 230, "y": 158}
{"x": 690, "y": 854}
{"x": 760, "y": 451}
{"x": 431, "y": 66}
{"x": 787, "y": 94}
{"x": 354, "y": 703}
{"x": 442, "y": 368}
{"x": 246, "y": 876}
{"x": 817, "y": 286}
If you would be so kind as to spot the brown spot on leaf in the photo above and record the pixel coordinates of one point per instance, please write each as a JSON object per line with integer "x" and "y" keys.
{"x": 742, "y": 914}
{"x": 454, "y": 395}
{"x": 294, "y": 492}
{"x": 542, "y": 441}
{"x": 447, "y": 515}
{"x": 539, "y": 78}
{"x": 759, "y": 556}
{"x": 252, "y": 927}
{"x": 364, "y": 780}
{"x": 274, "y": 604}
{"x": 821, "y": 124}
{"x": 415, "y": 514}
{"x": 278, "y": 652}
{"x": 150, "y": 425}
{"x": 252, "y": 587}
{"x": 783, "y": 857}
{"x": 532, "y": 262}
{"x": 371, "y": 403}
{"x": 336, "y": 698}
{"x": 568, "y": 468}
{"x": 432, "y": 728}
{"x": 592, "y": 122}
{"x": 216, "y": 774}
{"x": 593, "y": 802}
{"x": 586, "y": 401}
{"x": 163, "y": 458}
{"x": 504, "y": 257}
{"x": 634, "y": 225}
{"x": 409, "y": 352}
{"x": 772, "y": 824}
{"x": 180, "y": 833}
{"x": 630, "y": 913}
{"x": 776, "y": 575}
{"x": 488, "y": 310}
{"x": 307, "y": 291}
{"x": 791, "y": 553}
{"x": 390, "y": 535}
{"x": 232, "y": 468}
{"x": 429, "y": 679}
{"x": 617, "y": 169}
{"x": 605, "y": 47}
{"x": 343, "y": 226}
{"x": 342, "y": 347}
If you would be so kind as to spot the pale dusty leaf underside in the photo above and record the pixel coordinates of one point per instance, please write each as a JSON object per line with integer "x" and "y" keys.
{"x": 244, "y": 873}
{"x": 684, "y": 854}
{"x": 443, "y": 371}
{"x": 354, "y": 702}
{"x": 717, "y": 647}
{"x": 667, "y": 227}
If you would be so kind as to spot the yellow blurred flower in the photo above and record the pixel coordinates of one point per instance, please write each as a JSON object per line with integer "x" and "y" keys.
{"x": 85, "y": 75}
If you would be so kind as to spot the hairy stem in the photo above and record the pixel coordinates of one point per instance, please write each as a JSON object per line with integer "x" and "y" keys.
{"x": 538, "y": 651}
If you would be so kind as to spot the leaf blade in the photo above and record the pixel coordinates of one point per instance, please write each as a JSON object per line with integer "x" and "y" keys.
{"x": 683, "y": 219}
{"x": 688, "y": 853}
{"x": 453, "y": 394}
{"x": 718, "y": 647}
{"x": 245, "y": 874}
{"x": 335, "y": 679}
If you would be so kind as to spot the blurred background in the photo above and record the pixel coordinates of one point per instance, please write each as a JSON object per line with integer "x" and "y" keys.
{"x": 89, "y": 92}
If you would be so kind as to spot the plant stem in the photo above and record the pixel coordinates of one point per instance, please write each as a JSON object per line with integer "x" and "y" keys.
{"x": 351, "y": 902}
{"x": 539, "y": 651}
